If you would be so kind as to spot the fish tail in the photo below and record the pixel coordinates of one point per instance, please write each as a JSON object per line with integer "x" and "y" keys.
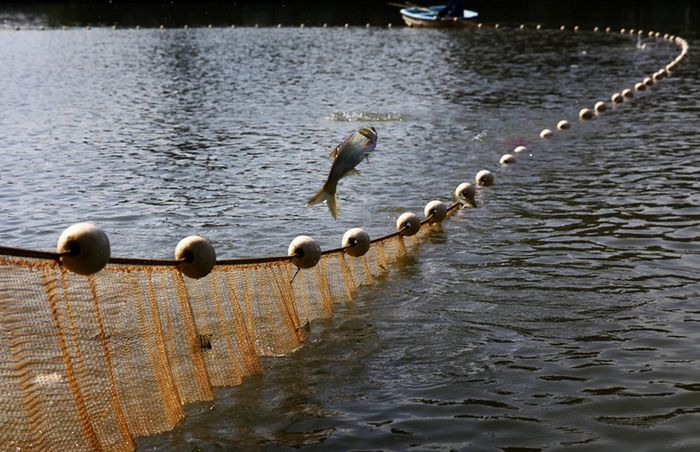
{"x": 325, "y": 194}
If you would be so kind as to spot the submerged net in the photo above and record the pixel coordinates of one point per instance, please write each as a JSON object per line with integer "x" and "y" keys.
{"x": 89, "y": 362}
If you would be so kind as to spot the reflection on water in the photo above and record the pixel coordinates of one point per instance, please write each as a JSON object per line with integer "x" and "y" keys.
{"x": 562, "y": 311}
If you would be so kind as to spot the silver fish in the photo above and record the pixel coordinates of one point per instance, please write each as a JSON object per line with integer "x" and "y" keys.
{"x": 347, "y": 155}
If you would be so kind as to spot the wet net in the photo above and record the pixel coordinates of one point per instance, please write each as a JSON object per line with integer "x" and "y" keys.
{"x": 89, "y": 362}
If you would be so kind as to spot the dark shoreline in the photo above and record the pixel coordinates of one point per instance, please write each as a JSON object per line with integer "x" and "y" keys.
{"x": 674, "y": 16}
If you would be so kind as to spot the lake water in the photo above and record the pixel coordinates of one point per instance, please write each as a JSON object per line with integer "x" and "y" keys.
{"x": 564, "y": 311}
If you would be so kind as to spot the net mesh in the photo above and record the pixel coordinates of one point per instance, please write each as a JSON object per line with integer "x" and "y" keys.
{"x": 90, "y": 362}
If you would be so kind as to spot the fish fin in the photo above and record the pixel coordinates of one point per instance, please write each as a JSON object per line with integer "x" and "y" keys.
{"x": 353, "y": 172}
{"x": 324, "y": 195}
{"x": 334, "y": 153}
{"x": 319, "y": 197}
{"x": 333, "y": 206}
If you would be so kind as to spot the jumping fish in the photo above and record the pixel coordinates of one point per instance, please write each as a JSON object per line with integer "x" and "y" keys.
{"x": 346, "y": 156}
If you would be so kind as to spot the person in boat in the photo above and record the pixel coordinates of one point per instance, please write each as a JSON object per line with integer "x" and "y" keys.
{"x": 454, "y": 8}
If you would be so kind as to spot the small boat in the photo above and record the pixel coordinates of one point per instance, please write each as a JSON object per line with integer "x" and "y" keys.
{"x": 427, "y": 16}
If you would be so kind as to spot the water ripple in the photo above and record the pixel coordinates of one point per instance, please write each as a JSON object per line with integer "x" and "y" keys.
{"x": 562, "y": 311}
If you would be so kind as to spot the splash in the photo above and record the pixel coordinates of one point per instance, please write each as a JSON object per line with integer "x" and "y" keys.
{"x": 348, "y": 116}
{"x": 480, "y": 136}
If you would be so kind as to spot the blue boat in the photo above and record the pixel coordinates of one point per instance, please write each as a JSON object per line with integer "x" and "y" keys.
{"x": 420, "y": 16}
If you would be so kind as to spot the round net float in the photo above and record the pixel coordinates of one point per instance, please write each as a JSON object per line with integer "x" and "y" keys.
{"x": 617, "y": 98}
{"x": 607, "y": 29}
{"x": 563, "y": 124}
{"x": 640, "y": 32}
{"x": 627, "y": 93}
{"x": 466, "y": 193}
{"x": 356, "y": 242}
{"x": 519, "y": 149}
{"x": 596, "y": 29}
{"x": 657, "y": 34}
{"x": 562, "y": 28}
{"x": 84, "y": 248}
{"x": 304, "y": 251}
{"x": 539, "y": 27}
{"x": 435, "y": 211}
{"x": 648, "y": 82}
{"x": 479, "y": 25}
{"x": 639, "y": 86}
{"x": 408, "y": 224}
{"x": 522, "y": 26}
{"x": 576, "y": 28}
{"x": 585, "y": 114}
{"x": 546, "y": 133}
{"x": 600, "y": 107}
{"x": 623, "y": 31}
{"x": 650, "y": 34}
{"x": 507, "y": 159}
{"x": 632, "y": 31}
{"x": 484, "y": 178}
{"x": 196, "y": 255}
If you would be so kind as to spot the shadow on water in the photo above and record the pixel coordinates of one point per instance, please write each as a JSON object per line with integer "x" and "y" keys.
{"x": 679, "y": 16}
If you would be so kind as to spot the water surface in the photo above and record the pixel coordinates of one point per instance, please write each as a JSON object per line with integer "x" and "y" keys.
{"x": 563, "y": 311}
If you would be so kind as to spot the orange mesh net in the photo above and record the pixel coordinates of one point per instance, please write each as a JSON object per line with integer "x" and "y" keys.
{"x": 89, "y": 362}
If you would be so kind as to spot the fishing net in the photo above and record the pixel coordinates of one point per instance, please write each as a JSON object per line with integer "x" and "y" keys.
{"x": 89, "y": 362}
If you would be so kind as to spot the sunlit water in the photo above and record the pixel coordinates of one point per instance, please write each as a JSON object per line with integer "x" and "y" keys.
{"x": 563, "y": 311}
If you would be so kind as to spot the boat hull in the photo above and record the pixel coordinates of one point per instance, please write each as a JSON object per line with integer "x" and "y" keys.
{"x": 439, "y": 23}
{"x": 427, "y": 17}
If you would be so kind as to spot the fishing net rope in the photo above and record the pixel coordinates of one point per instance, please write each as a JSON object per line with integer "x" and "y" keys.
{"x": 90, "y": 362}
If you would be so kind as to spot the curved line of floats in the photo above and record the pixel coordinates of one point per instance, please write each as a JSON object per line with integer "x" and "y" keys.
{"x": 84, "y": 248}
